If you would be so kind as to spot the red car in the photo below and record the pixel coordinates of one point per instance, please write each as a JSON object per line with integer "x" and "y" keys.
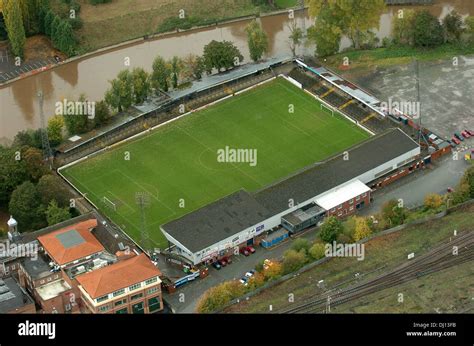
{"x": 465, "y": 134}
{"x": 244, "y": 251}
{"x": 227, "y": 259}
{"x": 470, "y": 133}
{"x": 250, "y": 249}
{"x": 222, "y": 262}
{"x": 455, "y": 140}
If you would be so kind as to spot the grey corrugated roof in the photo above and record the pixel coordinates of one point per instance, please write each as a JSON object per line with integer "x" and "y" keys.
{"x": 13, "y": 296}
{"x": 324, "y": 176}
{"x": 217, "y": 221}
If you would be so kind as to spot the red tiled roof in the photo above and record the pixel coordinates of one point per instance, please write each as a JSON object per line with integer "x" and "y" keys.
{"x": 72, "y": 242}
{"x": 119, "y": 275}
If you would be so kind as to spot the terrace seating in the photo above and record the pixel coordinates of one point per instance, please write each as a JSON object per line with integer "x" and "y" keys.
{"x": 335, "y": 99}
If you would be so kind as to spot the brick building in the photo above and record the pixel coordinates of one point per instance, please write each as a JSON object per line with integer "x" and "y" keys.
{"x": 129, "y": 286}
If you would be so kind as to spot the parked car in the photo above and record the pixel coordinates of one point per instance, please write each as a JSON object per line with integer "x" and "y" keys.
{"x": 228, "y": 259}
{"x": 471, "y": 133}
{"x": 465, "y": 134}
{"x": 458, "y": 136}
{"x": 451, "y": 143}
{"x": 244, "y": 251}
{"x": 456, "y": 141}
{"x": 216, "y": 265}
{"x": 250, "y": 273}
{"x": 251, "y": 249}
{"x": 244, "y": 281}
{"x": 450, "y": 189}
{"x": 222, "y": 262}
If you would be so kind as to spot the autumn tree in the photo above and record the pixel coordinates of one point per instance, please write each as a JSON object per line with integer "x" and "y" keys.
{"x": 34, "y": 161}
{"x": 296, "y": 36}
{"x": 317, "y": 251}
{"x": 141, "y": 85}
{"x": 55, "y": 129}
{"x": 403, "y": 31}
{"x": 193, "y": 67}
{"x": 362, "y": 229}
{"x": 433, "y": 201}
{"x": 257, "y": 40}
{"x": 161, "y": 74}
{"x": 120, "y": 94}
{"x": 331, "y": 228}
{"x": 393, "y": 213}
{"x": 293, "y": 260}
{"x": 14, "y": 25}
{"x": 326, "y": 33}
{"x": 51, "y": 188}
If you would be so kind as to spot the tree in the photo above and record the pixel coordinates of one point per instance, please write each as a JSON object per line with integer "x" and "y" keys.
{"x": 469, "y": 29}
{"x": 34, "y": 161}
{"x": 14, "y": 25}
{"x": 293, "y": 260}
{"x": 56, "y": 31}
{"x": 221, "y": 55}
{"x": 428, "y": 30}
{"x": 141, "y": 85}
{"x": 26, "y": 208}
{"x": 403, "y": 31}
{"x": 102, "y": 113}
{"x": 317, "y": 251}
{"x": 25, "y": 139}
{"x": 393, "y": 214}
{"x": 56, "y": 214}
{"x": 362, "y": 229}
{"x": 331, "y": 228}
{"x": 274, "y": 271}
{"x": 65, "y": 40}
{"x": 160, "y": 75}
{"x": 301, "y": 244}
{"x": 120, "y": 95}
{"x": 326, "y": 33}
{"x": 453, "y": 27}
{"x": 176, "y": 67}
{"x": 51, "y": 188}
{"x": 257, "y": 40}
{"x": 48, "y": 22}
{"x": 76, "y": 122}
{"x": 55, "y": 129}
{"x": 30, "y": 13}
{"x": 218, "y": 296}
{"x": 433, "y": 201}
{"x": 296, "y": 35}
{"x": 353, "y": 17}
{"x": 193, "y": 67}
{"x": 13, "y": 172}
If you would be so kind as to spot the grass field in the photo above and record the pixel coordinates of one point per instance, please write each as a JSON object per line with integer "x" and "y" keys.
{"x": 178, "y": 162}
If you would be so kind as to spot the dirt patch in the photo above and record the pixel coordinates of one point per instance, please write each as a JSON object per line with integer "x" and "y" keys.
{"x": 40, "y": 47}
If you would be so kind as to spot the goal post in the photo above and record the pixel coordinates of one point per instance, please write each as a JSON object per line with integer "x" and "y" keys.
{"x": 109, "y": 203}
{"x": 327, "y": 109}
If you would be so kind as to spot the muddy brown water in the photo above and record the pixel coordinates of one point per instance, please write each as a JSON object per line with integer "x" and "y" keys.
{"x": 90, "y": 76}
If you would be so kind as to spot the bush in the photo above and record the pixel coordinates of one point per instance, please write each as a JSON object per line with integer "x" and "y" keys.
{"x": 317, "y": 251}
{"x": 331, "y": 228}
{"x": 428, "y": 30}
{"x": 274, "y": 271}
{"x": 433, "y": 201}
{"x": 218, "y": 296}
{"x": 293, "y": 260}
{"x": 301, "y": 244}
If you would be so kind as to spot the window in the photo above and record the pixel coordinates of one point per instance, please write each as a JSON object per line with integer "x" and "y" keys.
{"x": 119, "y": 292}
{"x": 333, "y": 210}
{"x": 339, "y": 214}
{"x": 120, "y": 302}
{"x": 103, "y": 298}
{"x": 138, "y": 308}
{"x": 154, "y": 304}
{"x": 364, "y": 195}
{"x": 13, "y": 267}
{"x": 340, "y": 206}
{"x": 152, "y": 290}
{"x": 351, "y": 201}
{"x": 136, "y": 296}
{"x": 351, "y": 208}
{"x": 122, "y": 311}
{"x": 41, "y": 282}
{"x": 103, "y": 308}
{"x": 150, "y": 281}
{"x": 136, "y": 286}
{"x": 357, "y": 198}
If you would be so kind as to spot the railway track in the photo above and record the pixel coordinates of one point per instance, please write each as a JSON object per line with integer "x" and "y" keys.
{"x": 439, "y": 258}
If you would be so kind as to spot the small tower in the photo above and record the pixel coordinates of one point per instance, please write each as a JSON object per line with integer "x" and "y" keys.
{"x": 13, "y": 234}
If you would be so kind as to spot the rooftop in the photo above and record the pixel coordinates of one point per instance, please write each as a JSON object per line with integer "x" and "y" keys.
{"x": 217, "y": 221}
{"x": 301, "y": 215}
{"x": 342, "y": 194}
{"x": 37, "y": 267}
{"x": 53, "y": 289}
{"x": 72, "y": 242}
{"x": 327, "y": 175}
{"x": 12, "y": 296}
{"x": 120, "y": 275}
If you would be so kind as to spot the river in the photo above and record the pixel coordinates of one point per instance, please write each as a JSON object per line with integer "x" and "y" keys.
{"x": 19, "y": 105}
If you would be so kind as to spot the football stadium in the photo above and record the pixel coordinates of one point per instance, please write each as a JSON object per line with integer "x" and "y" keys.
{"x": 178, "y": 166}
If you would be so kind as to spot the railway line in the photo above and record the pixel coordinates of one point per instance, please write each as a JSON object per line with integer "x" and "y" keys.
{"x": 457, "y": 250}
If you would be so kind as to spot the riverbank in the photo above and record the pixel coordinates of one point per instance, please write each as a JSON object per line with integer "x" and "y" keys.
{"x": 394, "y": 56}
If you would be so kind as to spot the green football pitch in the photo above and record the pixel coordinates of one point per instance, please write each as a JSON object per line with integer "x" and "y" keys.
{"x": 177, "y": 165}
